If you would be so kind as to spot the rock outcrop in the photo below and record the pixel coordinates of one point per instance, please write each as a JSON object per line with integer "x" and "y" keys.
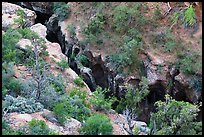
{"x": 9, "y": 15}
{"x": 18, "y": 120}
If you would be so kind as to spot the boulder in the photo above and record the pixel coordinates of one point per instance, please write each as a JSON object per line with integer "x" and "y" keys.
{"x": 71, "y": 126}
{"x": 40, "y": 29}
{"x": 55, "y": 52}
{"x": 9, "y": 14}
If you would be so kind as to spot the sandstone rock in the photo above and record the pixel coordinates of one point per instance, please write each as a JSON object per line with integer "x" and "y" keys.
{"x": 40, "y": 29}
{"x": 55, "y": 52}
{"x": 23, "y": 43}
{"x": 155, "y": 60}
{"x": 9, "y": 14}
{"x": 71, "y": 126}
{"x": 26, "y": 117}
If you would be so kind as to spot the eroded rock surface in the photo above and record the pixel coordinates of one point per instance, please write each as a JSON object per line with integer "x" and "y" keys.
{"x": 9, "y": 15}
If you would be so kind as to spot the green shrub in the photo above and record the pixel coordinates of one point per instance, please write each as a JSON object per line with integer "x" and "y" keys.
{"x": 133, "y": 97}
{"x": 96, "y": 25}
{"x": 186, "y": 17}
{"x": 165, "y": 41}
{"x": 99, "y": 101}
{"x": 62, "y": 10}
{"x": 7, "y": 130}
{"x": 79, "y": 82}
{"x": 128, "y": 56}
{"x": 189, "y": 63}
{"x": 125, "y": 17}
{"x": 38, "y": 127}
{"x": 83, "y": 59}
{"x": 62, "y": 110}
{"x": 190, "y": 16}
{"x": 71, "y": 107}
{"x": 71, "y": 29}
{"x": 97, "y": 124}
{"x": 11, "y": 38}
{"x": 14, "y": 85}
{"x": 21, "y": 19}
{"x": 95, "y": 28}
{"x": 175, "y": 118}
{"x": 77, "y": 91}
{"x": 21, "y": 105}
{"x": 63, "y": 64}
{"x": 7, "y": 72}
{"x": 79, "y": 109}
{"x": 58, "y": 83}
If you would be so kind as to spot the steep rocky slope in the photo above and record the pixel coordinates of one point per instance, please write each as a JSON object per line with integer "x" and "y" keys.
{"x": 158, "y": 66}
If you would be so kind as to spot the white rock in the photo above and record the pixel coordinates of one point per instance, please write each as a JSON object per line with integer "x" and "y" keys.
{"x": 39, "y": 29}
{"x": 140, "y": 124}
{"x": 9, "y": 14}
{"x": 26, "y": 117}
{"x": 55, "y": 52}
{"x": 23, "y": 43}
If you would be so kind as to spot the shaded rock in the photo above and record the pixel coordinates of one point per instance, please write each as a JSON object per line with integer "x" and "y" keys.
{"x": 88, "y": 77}
{"x": 49, "y": 116}
{"x": 43, "y": 7}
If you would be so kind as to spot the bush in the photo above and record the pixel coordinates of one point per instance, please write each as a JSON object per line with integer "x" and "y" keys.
{"x": 128, "y": 56}
{"x": 189, "y": 63}
{"x": 71, "y": 29}
{"x": 62, "y": 10}
{"x": 99, "y": 101}
{"x": 175, "y": 118}
{"x": 125, "y": 17}
{"x": 15, "y": 86}
{"x": 79, "y": 82}
{"x": 96, "y": 25}
{"x": 58, "y": 83}
{"x": 21, "y": 105}
{"x": 21, "y": 19}
{"x": 97, "y": 124}
{"x": 83, "y": 59}
{"x": 186, "y": 17}
{"x": 77, "y": 91}
{"x": 165, "y": 41}
{"x": 63, "y": 64}
{"x": 7, "y": 130}
{"x": 49, "y": 97}
{"x": 71, "y": 107}
{"x": 95, "y": 28}
{"x": 133, "y": 97}
{"x": 38, "y": 127}
{"x": 11, "y": 38}
{"x": 7, "y": 74}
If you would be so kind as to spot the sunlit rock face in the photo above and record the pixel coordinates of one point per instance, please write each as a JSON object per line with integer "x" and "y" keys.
{"x": 9, "y": 14}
